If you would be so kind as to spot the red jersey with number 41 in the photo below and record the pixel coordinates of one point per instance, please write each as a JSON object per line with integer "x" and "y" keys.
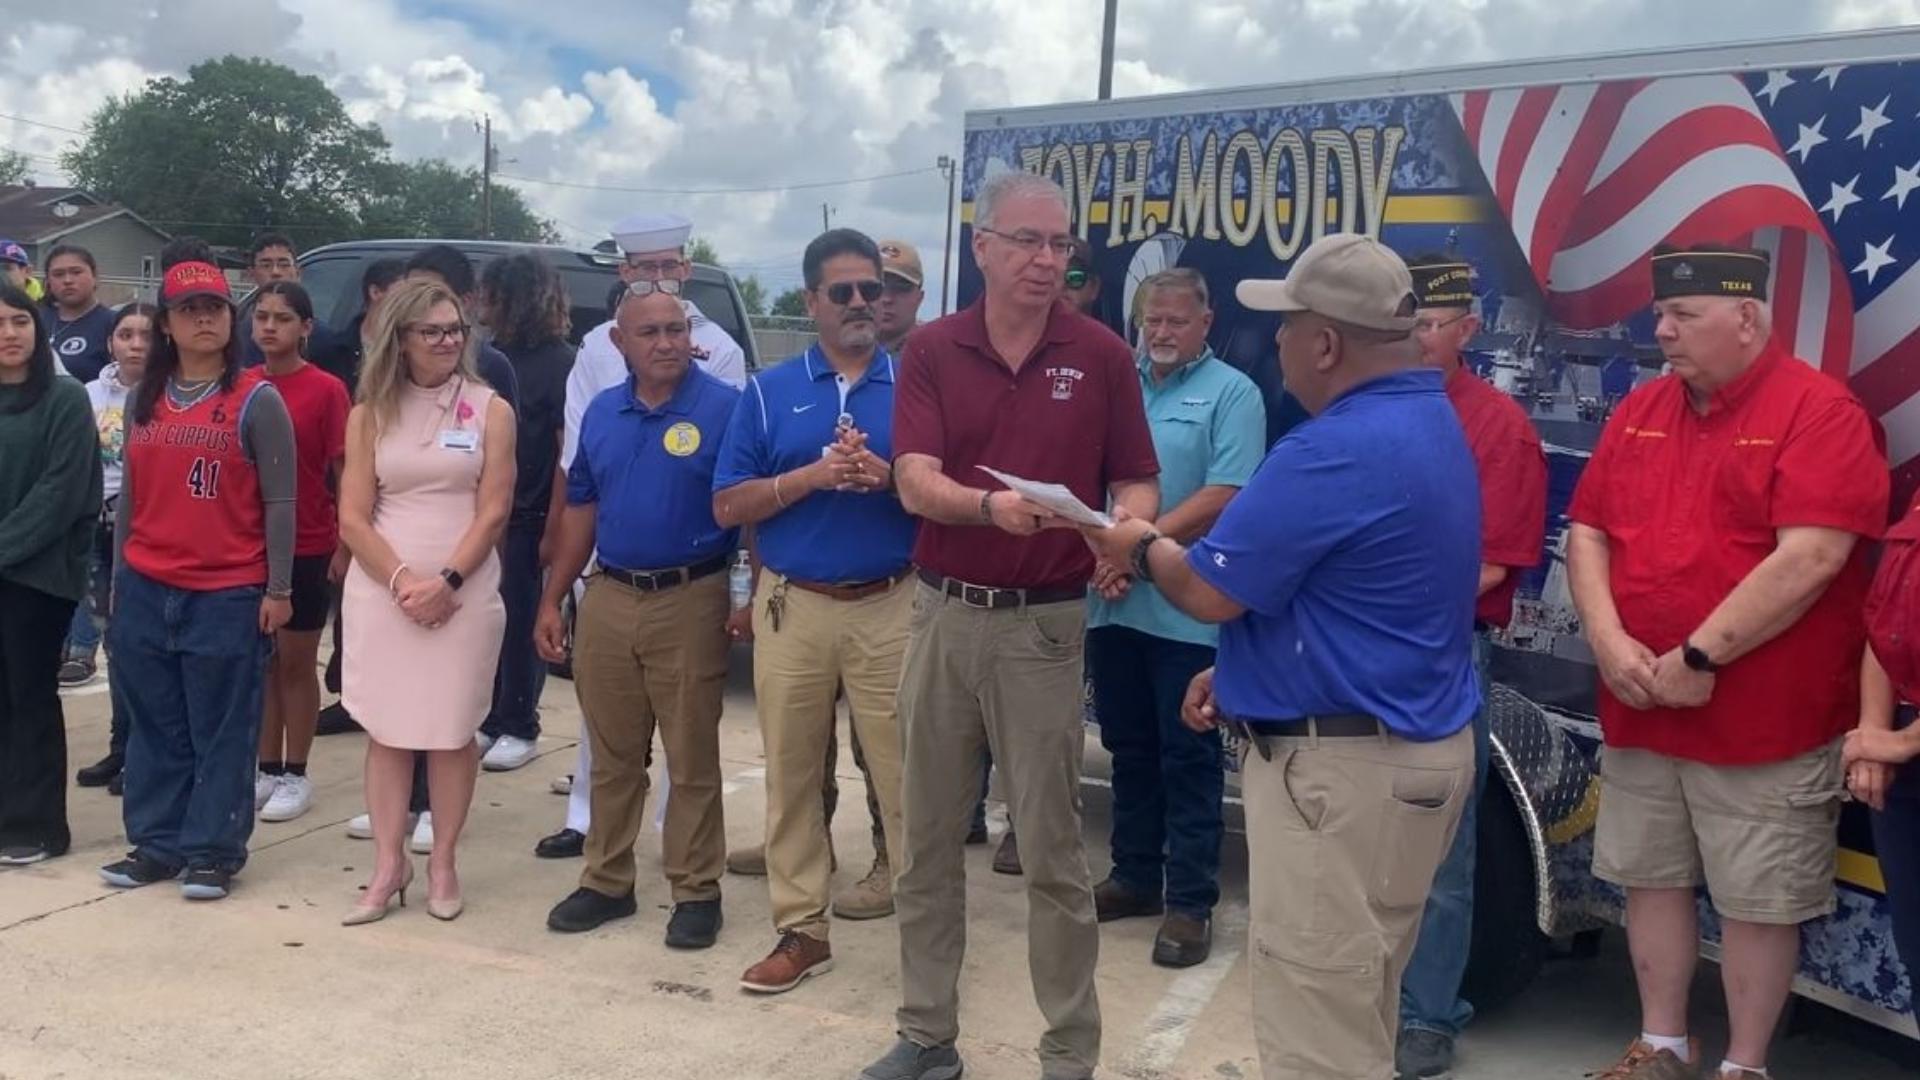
{"x": 197, "y": 519}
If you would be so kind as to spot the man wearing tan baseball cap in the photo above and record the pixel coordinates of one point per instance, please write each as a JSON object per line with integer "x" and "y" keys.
{"x": 898, "y": 311}
{"x": 1343, "y": 576}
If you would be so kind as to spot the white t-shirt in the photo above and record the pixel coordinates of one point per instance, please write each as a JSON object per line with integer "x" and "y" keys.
{"x": 109, "y": 398}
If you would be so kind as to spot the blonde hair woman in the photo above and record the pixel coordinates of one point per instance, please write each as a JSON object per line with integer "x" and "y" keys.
{"x": 425, "y": 495}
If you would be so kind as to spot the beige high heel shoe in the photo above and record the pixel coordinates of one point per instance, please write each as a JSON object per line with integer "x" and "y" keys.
{"x": 364, "y": 912}
{"x": 444, "y": 910}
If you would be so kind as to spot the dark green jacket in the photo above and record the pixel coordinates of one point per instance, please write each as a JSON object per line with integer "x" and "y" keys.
{"x": 49, "y": 489}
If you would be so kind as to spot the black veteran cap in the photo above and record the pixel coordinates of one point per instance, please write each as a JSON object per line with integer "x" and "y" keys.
{"x": 1709, "y": 270}
{"x": 1441, "y": 282}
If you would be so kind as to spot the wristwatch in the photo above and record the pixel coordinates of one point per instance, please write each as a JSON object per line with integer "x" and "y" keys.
{"x": 453, "y": 578}
{"x": 1138, "y": 561}
{"x": 986, "y": 507}
{"x": 1697, "y": 659}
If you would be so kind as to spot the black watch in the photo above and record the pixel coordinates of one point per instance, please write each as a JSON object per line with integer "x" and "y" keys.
{"x": 453, "y": 578}
{"x": 1142, "y": 569}
{"x": 1697, "y": 659}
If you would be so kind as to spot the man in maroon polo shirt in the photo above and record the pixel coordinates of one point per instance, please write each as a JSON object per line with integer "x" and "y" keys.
{"x": 1022, "y": 383}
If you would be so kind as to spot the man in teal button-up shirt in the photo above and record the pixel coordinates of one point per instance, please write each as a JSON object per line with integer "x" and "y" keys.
{"x": 1209, "y": 431}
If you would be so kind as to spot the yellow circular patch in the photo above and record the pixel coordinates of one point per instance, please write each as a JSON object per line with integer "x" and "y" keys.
{"x": 682, "y": 439}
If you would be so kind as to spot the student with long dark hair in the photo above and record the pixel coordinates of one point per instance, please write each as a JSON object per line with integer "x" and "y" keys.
{"x": 205, "y": 532}
{"x": 524, "y": 304}
{"x": 129, "y": 342}
{"x": 317, "y": 403}
{"x": 49, "y": 497}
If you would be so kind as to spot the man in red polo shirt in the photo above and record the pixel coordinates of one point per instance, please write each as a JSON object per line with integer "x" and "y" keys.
{"x": 1022, "y": 383}
{"x": 1715, "y": 564}
{"x": 1513, "y": 522}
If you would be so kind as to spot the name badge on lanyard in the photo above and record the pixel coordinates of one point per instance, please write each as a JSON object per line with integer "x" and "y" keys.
{"x": 458, "y": 439}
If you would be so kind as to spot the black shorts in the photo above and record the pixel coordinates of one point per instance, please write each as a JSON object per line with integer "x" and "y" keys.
{"x": 312, "y": 594}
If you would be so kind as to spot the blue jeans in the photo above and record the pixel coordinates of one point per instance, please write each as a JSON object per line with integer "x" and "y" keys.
{"x": 1430, "y": 988}
{"x": 1896, "y": 839}
{"x": 83, "y": 635}
{"x": 1168, "y": 780}
{"x": 194, "y": 664}
{"x": 522, "y": 674}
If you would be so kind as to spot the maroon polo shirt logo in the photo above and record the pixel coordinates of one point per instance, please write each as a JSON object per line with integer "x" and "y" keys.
{"x": 1063, "y": 381}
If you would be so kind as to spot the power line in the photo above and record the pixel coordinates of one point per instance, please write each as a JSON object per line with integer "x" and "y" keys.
{"x": 41, "y": 123}
{"x": 805, "y": 186}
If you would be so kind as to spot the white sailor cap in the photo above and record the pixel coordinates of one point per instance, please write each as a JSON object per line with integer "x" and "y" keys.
{"x": 652, "y": 232}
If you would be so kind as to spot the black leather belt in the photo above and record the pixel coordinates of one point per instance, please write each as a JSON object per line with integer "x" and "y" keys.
{"x": 1331, "y": 726}
{"x": 655, "y": 580}
{"x": 993, "y": 598}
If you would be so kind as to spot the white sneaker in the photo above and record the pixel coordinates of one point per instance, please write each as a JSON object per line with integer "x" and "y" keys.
{"x": 561, "y": 785}
{"x": 508, "y": 753}
{"x": 422, "y": 843}
{"x": 361, "y": 827}
{"x": 484, "y": 741}
{"x": 263, "y": 788}
{"x": 293, "y": 797}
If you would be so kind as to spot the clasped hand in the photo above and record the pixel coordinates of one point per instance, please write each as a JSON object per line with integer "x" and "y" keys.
{"x": 1644, "y": 681}
{"x": 428, "y": 601}
{"x": 847, "y": 465}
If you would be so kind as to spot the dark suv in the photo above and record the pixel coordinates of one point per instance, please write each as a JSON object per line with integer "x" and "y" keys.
{"x": 332, "y": 277}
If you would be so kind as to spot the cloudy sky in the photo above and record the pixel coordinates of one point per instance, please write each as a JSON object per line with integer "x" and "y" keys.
{"x": 684, "y": 96}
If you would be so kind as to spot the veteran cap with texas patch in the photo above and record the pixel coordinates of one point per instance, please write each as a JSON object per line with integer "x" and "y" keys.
{"x": 1709, "y": 270}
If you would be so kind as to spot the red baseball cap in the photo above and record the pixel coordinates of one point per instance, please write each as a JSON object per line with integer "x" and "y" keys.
{"x": 194, "y": 279}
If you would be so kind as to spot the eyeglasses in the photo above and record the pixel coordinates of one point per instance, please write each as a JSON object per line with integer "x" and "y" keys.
{"x": 669, "y": 286}
{"x": 656, "y": 267}
{"x": 841, "y": 292}
{"x": 1032, "y": 242}
{"x": 1428, "y": 326}
{"x": 434, "y": 334}
{"x": 1077, "y": 278}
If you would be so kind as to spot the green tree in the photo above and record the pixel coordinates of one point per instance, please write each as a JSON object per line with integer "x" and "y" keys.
{"x": 432, "y": 198}
{"x": 13, "y": 167}
{"x": 792, "y": 302}
{"x": 701, "y": 250}
{"x": 753, "y": 295}
{"x": 238, "y": 146}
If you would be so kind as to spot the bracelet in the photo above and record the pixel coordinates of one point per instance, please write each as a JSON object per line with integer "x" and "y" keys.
{"x": 1142, "y": 569}
{"x": 395, "y": 576}
{"x": 776, "y": 492}
{"x": 986, "y": 507}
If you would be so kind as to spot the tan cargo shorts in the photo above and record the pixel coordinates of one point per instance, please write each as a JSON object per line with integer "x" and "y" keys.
{"x": 1761, "y": 838}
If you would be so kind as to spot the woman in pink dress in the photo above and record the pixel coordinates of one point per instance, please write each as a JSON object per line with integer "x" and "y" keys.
{"x": 424, "y": 497}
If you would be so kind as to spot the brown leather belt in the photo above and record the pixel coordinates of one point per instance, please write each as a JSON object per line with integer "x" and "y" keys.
{"x": 857, "y": 590}
{"x": 993, "y": 598}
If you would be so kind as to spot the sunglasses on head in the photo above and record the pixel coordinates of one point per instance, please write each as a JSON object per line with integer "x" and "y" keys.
{"x": 841, "y": 292}
{"x": 670, "y": 286}
{"x": 1076, "y": 279}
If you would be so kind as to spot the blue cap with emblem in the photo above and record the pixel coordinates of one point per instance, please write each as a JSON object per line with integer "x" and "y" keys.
{"x": 14, "y": 253}
{"x": 652, "y": 232}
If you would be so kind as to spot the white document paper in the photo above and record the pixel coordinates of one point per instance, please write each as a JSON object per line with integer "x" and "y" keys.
{"x": 1054, "y": 497}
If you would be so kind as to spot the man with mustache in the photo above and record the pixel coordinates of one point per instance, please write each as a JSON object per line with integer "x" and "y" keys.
{"x": 806, "y": 461}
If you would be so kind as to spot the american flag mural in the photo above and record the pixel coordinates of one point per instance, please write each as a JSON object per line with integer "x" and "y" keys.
{"x": 1816, "y": 165}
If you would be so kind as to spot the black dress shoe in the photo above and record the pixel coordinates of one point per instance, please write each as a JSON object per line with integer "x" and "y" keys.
{"x": 977, "y": 835}
{"x": 1112, "y": 900}
{"x": 1183, "y": 941}
{"x": 565, "y": 844}
{"x": 336, "y": 720}
{"x": 695, "y": 924}
{"x": 1006, "y": 858}
{"x": 100, "y": 773}
{"x": 587, "y": 910}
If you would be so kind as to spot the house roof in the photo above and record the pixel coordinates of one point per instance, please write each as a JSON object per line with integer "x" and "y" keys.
{"x": 35, "y": 215}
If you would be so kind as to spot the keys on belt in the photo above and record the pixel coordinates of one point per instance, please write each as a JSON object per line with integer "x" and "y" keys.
{"x": 1330, "y": 726}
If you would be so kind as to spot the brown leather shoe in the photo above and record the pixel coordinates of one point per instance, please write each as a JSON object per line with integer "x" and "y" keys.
{"x": 1643, "y": 1062}
{"x": 1183, "y": 941}
{"x": 1112, "y": 900}
{"x": 871, "y": 897}
{"x": 789, "y": 964}
{"x": 1006, "y": 858}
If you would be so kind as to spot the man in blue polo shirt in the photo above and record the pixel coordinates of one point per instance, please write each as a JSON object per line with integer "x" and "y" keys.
{"x": 1344, "y": 576}
{"x": 806, "y": 461}
{"x": 650, "y": 644}
{"x": 1209, "y": 432}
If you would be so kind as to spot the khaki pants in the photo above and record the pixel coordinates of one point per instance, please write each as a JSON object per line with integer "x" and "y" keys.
{"x": 1009, "y": 679}
{"x": 1345, "y": 836}
{"x": 821, "y": 645}
{"x": 643, "y": 660}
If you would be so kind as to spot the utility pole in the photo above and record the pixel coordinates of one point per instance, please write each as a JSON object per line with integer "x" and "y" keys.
{"x": 1106, "y": 49}
{"x": 486, "y": 178}
{"x": 946, "y": 165}
{"x": 825, "y": 222}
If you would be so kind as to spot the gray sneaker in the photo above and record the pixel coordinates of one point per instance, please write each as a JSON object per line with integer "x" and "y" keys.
{"x": 1422, "y": 1055}
{"x": 909, "y": 1060}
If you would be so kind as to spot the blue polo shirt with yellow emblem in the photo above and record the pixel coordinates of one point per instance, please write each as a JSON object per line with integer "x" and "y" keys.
{"x": 785, "y": 421}
{"x": 1209, "y": 428}
{"x": 649, "y": 474}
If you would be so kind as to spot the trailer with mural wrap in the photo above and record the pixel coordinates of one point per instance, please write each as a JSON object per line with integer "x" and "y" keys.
{"x": 1555, "y": 179}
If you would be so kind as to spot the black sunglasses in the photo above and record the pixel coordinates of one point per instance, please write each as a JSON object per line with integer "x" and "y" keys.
{"x": 841, "y": 292}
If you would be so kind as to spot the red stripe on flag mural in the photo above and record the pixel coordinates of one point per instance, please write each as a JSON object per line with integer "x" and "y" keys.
{"x": 1654, "y": 161}
{"x": 1516, "y": 146}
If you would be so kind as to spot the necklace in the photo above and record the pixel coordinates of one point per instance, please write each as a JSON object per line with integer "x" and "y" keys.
{"x": 185, "y": 395}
